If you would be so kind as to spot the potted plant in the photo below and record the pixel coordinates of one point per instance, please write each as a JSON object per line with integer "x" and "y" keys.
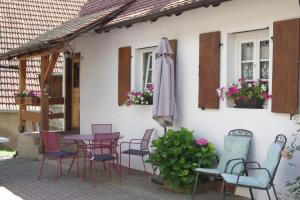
{"x": 246, "y": 94}
{"x": 19, "y": 97}
{"x": 28, "y": 97}
{"x": 177, "y": 154}
{"x": 140, "y": 97}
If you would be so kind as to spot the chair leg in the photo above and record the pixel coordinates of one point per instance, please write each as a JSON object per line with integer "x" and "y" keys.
{"x": 233, "y": 194}
{"x": 154, "y": 173}
{"x": 74, "y": 157}
{"x": 268, "y": 194}
{"x": 78, "y": 165}
{"x": 104, "y": 165}
{"x": 195, "y": 186}
{"x": 84, "y": 165}
{"x": 60, "y": 167}
{"x": 223, "y": 190}
{"x": 94, "y": 168}
{"x": 57, "y": 169}
{"x": 251, "y": 193}
{"x": 145, "y": 170}
{"x": 275, "y": 193}
{"x": 120, "y": 164}
{"x": 129, "y": 164}
{"x": 41, "y": 170}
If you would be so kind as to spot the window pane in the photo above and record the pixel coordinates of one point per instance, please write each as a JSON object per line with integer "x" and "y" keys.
{"x": 247, "y": 51}
{"x": 247, "y": 71}
{"x": 147, "y": 64}
{"x": 149, "y": 77}
{"x": 264, "y": 49}
{"x": 264, "y": 70}
{"x": 146, "y": 57}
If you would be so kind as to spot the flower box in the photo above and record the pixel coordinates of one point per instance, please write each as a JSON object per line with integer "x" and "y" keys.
{"x": 33, "y": 101}
{"x": 249, "y": 103}
{"x": 246, "y": 94}
{"x": 19, "y": 100}
{"x": 140, "y": 97}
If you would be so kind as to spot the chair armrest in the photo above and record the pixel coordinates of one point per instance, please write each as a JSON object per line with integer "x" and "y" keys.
{"x": 253, "y": 169}
{"x": 130, "y": 143}
{"x": 206, "y": 157}
{"x": 245, "y": 165}
{"x": 229, "y": 161}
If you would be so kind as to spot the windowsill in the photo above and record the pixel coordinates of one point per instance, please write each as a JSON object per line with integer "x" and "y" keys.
{"x": 265, "y": 108}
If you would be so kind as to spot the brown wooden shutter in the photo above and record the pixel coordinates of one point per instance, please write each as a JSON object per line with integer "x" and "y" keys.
{"x": 209, "y": 70}
{"x": 173, "y": 44}
{"x": 124, "y": 74}
{"x": 286, "y": 57}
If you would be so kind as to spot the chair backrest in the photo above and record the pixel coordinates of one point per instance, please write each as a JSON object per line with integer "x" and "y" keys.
{"x": 105, "y": 143}
{"x": 146, "y": 139}
{"x": 51, "y": 141}
{"x": 272, "y": 160}
{"x": 101, "y": 128}
{"x": 236, "y": 145}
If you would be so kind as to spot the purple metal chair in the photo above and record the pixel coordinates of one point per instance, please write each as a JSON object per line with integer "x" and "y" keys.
{"x": 104, "y": 149}
{"x": 52, "y": 149}
{"x": 142, "y": 151}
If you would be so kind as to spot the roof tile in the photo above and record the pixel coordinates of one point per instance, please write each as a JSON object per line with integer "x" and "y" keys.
{"x": 20, "y": 22}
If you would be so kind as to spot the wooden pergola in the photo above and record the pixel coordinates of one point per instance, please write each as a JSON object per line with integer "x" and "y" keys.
{"x": 48, "y": 61}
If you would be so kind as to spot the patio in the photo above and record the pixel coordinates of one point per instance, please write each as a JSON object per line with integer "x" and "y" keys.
{"x": 19, "y": 182}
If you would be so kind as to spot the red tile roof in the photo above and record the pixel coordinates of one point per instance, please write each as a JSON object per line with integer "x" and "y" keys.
{"x": 21, "y": 21}
{"x": 110, "y": 14}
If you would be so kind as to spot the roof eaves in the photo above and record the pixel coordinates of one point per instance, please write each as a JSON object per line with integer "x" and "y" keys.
{"x": 59, "y": 42}
{"x": 155, "y": 16}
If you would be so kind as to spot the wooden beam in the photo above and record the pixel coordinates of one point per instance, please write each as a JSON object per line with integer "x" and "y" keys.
{"x": 44, "y": 117}
{"x": 68, "y": 94}
{"x": 31, "y": 116}
{"x": 51, "y": 66}
{"x": 41, "y": 53}
{"x": 22, "y": 87}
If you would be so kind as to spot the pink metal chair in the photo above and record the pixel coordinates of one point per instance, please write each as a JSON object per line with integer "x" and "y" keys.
{"x": 142, "y": 151}
{"x": 53, "y": 150}
{"x": 104, "y": 149}
{"x": 99, "y": 129}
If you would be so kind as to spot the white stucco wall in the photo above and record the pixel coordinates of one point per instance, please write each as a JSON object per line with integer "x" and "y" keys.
{"x": 99, "y": 75}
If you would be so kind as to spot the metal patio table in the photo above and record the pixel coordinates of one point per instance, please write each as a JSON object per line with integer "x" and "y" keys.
{"x": 83, "y": 142}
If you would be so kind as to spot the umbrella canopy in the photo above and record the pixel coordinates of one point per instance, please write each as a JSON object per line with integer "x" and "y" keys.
{"x": 164, "y": 105}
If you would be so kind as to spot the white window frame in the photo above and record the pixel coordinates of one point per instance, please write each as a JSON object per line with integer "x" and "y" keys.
{"x": 256, "y": 57}
{"x": 139, "y": 83}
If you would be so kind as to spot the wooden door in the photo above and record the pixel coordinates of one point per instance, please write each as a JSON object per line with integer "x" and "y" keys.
{"x": 75, "y": 92}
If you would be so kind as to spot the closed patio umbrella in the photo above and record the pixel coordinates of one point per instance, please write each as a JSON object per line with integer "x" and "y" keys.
{"x": 164, "y": 105}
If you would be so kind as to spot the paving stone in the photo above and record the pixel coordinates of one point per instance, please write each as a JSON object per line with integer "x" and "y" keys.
{"x": 18, "y": 181}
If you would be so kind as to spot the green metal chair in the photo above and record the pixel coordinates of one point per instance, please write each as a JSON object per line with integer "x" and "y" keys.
{"x": 236, "y": 149}
{"x": 263, "y": 179}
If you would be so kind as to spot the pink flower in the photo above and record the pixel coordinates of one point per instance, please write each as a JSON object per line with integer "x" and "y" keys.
{"x": 201, "y": 141}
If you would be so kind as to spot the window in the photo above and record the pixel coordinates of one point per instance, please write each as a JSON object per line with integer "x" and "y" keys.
{"x": 144, "y": 68}
{"x": 248, "y": 57}
{"x": 253, "y": 61}
{"x": 148, "y": 63}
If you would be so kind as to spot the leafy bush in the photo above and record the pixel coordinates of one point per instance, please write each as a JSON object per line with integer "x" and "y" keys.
{"x": 177, "y": 154}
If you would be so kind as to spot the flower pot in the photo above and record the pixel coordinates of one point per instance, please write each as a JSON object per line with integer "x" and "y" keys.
{"x": 228, "y": 188}
{"x": 252, "y": 103}
{"x": 19, "y": 100}
{"x": 184, "y": 190}
{"x": 33, "y": 101}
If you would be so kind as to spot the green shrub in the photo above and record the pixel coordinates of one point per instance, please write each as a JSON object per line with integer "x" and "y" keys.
{"x": 176, "y": 154}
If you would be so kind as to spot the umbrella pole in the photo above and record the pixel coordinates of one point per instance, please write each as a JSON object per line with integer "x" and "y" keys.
{"x": 165, "y": 129}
